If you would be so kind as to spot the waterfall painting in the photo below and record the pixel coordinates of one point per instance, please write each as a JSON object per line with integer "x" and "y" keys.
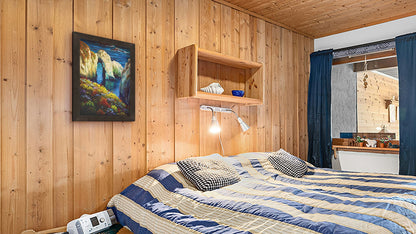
{"x": 102, "y": 79}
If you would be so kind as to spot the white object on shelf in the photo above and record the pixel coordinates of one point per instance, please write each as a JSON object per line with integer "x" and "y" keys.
{"x": 213, "y": 88}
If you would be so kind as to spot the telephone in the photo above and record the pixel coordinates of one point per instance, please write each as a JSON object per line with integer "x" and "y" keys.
{"x": 92, "y": 223}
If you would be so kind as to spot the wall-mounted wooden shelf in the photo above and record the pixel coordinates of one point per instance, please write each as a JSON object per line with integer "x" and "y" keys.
{"x": 198, "y": 68}
{"x": 227, "y": 60}
{"x": 228, "y": 98}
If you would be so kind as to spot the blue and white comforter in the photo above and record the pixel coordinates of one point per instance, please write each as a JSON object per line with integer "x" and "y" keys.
{"x": 267, "y": 201}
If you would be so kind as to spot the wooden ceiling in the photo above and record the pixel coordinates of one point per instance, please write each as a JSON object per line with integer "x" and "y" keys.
{"x": 319, "y": 18}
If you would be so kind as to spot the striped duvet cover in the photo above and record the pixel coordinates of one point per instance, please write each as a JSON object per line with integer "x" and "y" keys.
{"x": 267, "y": 201}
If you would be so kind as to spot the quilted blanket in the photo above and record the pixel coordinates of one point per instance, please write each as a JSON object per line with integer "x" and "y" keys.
{"x": 267, "y": 201}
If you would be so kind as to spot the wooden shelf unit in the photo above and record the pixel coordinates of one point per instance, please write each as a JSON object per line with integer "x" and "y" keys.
{"x": 199, "y": 67}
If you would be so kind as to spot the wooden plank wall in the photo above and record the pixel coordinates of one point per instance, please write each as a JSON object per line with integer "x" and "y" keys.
{"x": 53, "y": 170}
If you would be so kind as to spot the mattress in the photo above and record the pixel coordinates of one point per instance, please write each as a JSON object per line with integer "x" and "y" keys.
{"x": 267, "y": 201}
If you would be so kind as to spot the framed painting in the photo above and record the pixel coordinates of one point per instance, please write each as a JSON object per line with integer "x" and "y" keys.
{"x": 102, "y": 79}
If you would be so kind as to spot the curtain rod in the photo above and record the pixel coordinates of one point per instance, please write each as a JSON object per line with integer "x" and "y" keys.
{"x": 367, "y": 48}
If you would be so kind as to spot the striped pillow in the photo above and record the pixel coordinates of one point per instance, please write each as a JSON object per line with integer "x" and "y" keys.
{"x": 208, "y": 173}
{"x": 287, "y": 163}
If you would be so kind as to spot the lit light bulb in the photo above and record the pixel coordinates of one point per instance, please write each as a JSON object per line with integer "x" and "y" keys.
{"x": 215, "y": 126}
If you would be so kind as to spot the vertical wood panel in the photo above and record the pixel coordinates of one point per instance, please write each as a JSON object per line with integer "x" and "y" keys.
{"x": 186, "y": 110}
{"x": 210, "y": 39}
{"x": 128, "y": 137}
{"x": 93, "y": 168}
{"x": 246, "y": 138}
{"x": 230, "y": 40}
{"x": 13, "y": 117}
{"x": 139, "y": 126}
{"x": 295, "y": 77}
{"x": 258, "y": 114}
{"x": 124, "y": 165}
{"x": 63, "y": 154}
{"x": 160, "y": 67}
{"x": 40, "y": 16}
{"x": 277, "y": 85}
{"x": 1, "y": 64}
{"x": 303, "y": 96}
{"x": 268, "y": 107}
{"x": 289, "y": 95}
{"x": 308, "y": 49}
{"x": 210, "y": 29}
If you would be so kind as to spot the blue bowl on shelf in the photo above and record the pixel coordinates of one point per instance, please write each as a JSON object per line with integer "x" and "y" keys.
{"x": 238, "y": 93}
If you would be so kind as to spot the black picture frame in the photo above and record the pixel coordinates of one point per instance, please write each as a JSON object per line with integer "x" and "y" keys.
{"x": 95, "y": 98}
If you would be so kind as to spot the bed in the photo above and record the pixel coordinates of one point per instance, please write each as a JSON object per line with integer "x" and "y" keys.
{"x": 268, "y": 201}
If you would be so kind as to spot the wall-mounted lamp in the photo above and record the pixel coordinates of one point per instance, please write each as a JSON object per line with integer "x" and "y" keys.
{"x": 215, "y": 127}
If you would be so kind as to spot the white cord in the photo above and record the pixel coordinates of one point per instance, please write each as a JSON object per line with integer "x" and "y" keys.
{"x": 219, "y": 137}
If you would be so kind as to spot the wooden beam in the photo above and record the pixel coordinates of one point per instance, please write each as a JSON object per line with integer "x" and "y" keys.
{"x": 360, "y": 58}
{"x": 376, "y": 64}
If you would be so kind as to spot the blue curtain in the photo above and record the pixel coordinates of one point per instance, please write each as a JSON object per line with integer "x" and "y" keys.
{"x": 406, "y": 60}
{"x": 319, "y": 109}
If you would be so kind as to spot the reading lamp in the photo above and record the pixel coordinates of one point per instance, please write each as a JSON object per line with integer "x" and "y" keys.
{"x": 215, "y": 126}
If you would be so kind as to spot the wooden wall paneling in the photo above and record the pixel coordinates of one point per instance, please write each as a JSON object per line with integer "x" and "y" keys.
{"x": 54, "y": 170}
{"x": 230, "y": 39}
{"x": 13, "y": 116}
{"x": 309, "y": 48}
{"x": 63, "y": 153}
{"x": 287, "y": 95}
{"x": 187, "y": 130}
{"x": 258, "y": 53}
{"x": 210, "y": 39}
{"x": 303, "y": 96}
{"x": 295, "y": 92}
{"x": 291, "y": 114}
{"x": 254, "y": 83}
{"x": 128, "y": 137}
{"x": 210, "y": 28}
{"x": 160, "y": 67}
{"x": 138, "y": 128}
{"x": 277, "y": 87}
{"x": 93, "y": 148}
{"x": 246, "y": 138}
{"x": 268, "y": 94}
{"x": 1, "y": 188}
{"x": 209, "y": 143}
{"x": 40, "y": 17}
{"x": 186, "y": 110}
{"x": 187, "y": 75}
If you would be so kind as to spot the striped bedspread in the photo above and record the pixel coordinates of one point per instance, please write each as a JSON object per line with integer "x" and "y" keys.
{"x": 266, "y": 201}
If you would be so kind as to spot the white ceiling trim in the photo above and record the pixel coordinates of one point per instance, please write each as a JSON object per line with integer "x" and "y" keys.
{"x": 378, "y": 32}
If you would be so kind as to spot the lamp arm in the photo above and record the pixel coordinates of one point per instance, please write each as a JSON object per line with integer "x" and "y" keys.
{"x": 212, "y": 110}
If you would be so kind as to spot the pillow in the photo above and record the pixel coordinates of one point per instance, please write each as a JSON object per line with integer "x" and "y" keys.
{"x": 208, "y": 173}
{"x": 287, "y": 163}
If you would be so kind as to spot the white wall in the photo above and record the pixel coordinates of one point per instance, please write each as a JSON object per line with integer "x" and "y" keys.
{"x": 369, "y": 34}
